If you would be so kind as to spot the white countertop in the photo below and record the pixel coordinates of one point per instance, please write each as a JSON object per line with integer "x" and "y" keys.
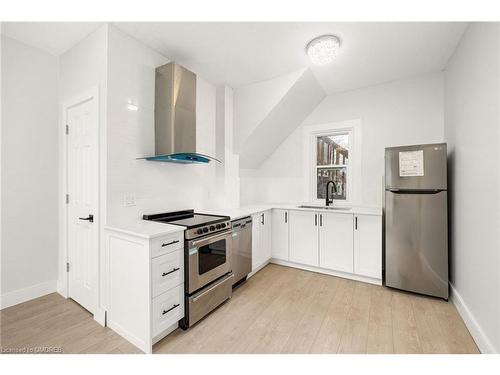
{"x": 146, "y": 229}
{"x": 236, "y": 213}
{"x": 150, "y": 229}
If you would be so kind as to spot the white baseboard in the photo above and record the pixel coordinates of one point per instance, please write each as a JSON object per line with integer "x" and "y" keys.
{"x": 482, "y": 341}
{"x": 100, "y": 316}
{"x": 164, "y": 334}
{"x": 344, "y": 275}
{"x": 257, "y": 269}
{"x": 22, "y": 295}
{"x": 61, "y": 289}
{"x": 130, "y": 337}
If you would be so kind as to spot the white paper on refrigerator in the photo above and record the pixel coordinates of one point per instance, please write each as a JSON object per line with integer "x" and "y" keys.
{"x": 411, "y": 163}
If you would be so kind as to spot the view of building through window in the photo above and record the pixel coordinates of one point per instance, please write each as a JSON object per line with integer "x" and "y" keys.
{"x": 332, "y": 156}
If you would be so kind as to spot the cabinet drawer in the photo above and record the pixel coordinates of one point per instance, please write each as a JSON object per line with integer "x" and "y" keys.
{"x": 167, "y": 271}
{"x": 167, "y": 244}
{"x": 168, "y": 309}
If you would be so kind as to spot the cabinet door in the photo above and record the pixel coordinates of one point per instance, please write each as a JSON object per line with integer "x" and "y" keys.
{"x": 256, "y": 241}
{"x": 368, "y": 245}
{"x": 267, "y": 234}
{"x": 279, "y": 247}
{"x": 336, "y": 241}
{"x": 303, "y": 227}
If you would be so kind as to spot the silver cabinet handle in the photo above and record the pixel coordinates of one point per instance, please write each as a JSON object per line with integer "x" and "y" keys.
{"x": 286, "y": 217}
{"x": 169, "y": 272}
{"x": 356, "y": 223}
{"x": 315, "y": 220}
{"x": 320, "y": 220}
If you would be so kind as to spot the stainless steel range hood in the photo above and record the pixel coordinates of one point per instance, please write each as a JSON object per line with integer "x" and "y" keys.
{"x": 175, "y": 116}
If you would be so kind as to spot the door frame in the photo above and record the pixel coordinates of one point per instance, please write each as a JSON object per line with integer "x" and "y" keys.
{"x": 63, "y": 284}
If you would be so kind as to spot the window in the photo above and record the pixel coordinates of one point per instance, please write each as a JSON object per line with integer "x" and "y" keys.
{"x": 334, "y": 154}
{"x": 332, "y": 164}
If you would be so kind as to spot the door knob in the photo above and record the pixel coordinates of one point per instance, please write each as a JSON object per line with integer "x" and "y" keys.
{"x": 90, "y": 218}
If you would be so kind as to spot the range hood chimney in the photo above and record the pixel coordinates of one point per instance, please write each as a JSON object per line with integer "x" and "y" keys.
{"x": 175, "y": 116}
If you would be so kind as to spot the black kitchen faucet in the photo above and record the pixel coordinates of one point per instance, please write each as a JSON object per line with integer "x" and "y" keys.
{"x": 328, "y": 200}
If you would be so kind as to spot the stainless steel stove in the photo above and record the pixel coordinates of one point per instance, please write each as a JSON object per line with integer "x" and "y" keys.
{"x": 207, "y": 260}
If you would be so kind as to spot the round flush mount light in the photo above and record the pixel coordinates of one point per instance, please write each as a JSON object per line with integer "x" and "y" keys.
{"x": 323, "y": 49}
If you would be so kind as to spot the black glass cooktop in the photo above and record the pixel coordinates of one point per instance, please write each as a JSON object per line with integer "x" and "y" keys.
{"x": 187, "y": 218}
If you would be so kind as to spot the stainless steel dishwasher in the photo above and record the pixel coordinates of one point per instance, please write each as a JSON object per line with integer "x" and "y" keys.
{"x": 241, "y": 260}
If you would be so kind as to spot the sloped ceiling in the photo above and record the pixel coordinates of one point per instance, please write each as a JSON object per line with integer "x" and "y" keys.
{"x": 253, "y": 103}
{"x": 302, "y": 97}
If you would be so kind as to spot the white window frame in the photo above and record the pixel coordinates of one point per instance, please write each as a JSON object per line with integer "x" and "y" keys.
{"x": 353, "y": 167}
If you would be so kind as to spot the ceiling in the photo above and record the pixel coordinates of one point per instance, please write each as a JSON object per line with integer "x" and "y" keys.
{"x": 52, "y": 37}
{"x": 243, "y": 53}
{"x": 240, "y": 53}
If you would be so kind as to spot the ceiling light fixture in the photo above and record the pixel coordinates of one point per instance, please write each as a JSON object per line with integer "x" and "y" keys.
{"x": 323, "y": 49}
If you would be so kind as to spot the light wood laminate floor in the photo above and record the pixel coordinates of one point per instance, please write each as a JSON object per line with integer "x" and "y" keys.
{"x": 279, "y": 310}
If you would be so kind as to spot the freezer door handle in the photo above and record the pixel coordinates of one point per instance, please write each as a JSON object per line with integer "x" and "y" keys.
{"x": 416, "y": 191}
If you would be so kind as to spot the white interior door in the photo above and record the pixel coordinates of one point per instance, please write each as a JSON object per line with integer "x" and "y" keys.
{"x": 83, "y": 229}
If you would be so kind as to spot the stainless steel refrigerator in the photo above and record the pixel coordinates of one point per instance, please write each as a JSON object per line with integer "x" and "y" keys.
{"x": 416, "y": 219}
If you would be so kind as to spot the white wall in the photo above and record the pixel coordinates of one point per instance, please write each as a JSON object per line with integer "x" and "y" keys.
{"x": 29, "y": 172}
{"x": 402, "y": 112}
{"x": 1, "y": 174}
{"x": 472, "y": 130}
{"x": 228, "y": 180}
{"x": 155, "y": 186}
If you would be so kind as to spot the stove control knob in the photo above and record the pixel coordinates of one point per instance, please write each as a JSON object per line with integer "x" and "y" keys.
{"x": 199, "y": 231}
{"x": 218, "y": 226}
{"x": 223, "y": 225}
{"x": 212, "y": 227}
{"x": 205, "y": 230}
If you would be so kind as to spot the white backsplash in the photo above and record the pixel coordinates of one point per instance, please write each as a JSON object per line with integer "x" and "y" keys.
{"x": 155, "y": 186}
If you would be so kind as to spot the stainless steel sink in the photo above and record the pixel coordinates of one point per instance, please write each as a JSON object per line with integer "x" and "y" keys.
{"x": 326, "y": 208}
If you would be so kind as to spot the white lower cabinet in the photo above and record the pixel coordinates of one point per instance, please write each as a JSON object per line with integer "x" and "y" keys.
{"x": 261, "y": 239}
{"x": 368, "y": 245}
{"x": 167, "y": 271}
{"x": 145, "y": 286}
{"x": 304, "y": 237}
{"x": 336, "y": 241}
{"x": 279, "y": 243}
{"x": 168, "y": 309}
{"x": 340, "y": 242}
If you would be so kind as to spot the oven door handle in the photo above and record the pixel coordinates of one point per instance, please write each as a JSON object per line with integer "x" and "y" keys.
{"x": 197, "y": 297}
{"x": 209, "y": 239}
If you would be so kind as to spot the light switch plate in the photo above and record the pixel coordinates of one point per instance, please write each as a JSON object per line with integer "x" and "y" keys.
{"x": 129, "y": 200}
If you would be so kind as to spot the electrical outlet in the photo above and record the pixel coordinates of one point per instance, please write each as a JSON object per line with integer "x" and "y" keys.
{"x": 129, "y": 200}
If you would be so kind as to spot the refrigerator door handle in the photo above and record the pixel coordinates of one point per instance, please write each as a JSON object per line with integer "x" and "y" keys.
{"x": 415, "y": 191}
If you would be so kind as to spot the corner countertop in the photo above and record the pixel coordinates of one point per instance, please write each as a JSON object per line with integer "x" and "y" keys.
{"x": 236, "y": 213}
{"x": 150, "y": 229}
{"x": 146, "y": 229}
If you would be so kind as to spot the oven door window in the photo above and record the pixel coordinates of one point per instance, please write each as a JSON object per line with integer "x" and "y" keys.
{"x": 211, "y": 256}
